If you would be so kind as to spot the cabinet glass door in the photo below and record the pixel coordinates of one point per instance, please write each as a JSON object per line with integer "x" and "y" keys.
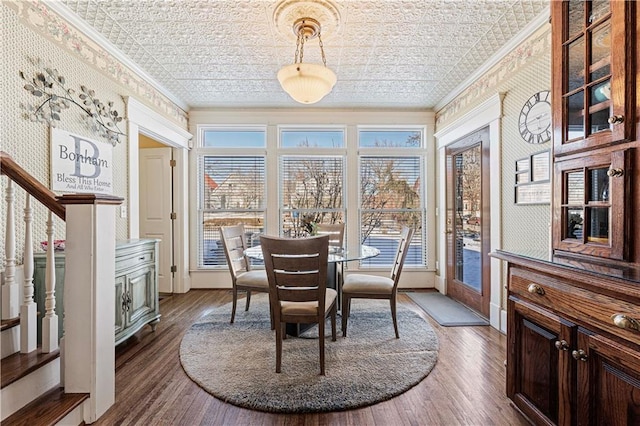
{"x": 591, "y": 94}
{"x": 592, "y": 195}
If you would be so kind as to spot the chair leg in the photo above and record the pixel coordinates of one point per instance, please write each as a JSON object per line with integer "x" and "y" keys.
{"x": 279, "y": 331}
{"x": 346, "y": 307}
{"x": 271, "y": 314}
{"x": 333, "y": 322}
{"x": 394, "y": 316}
{"x": 246, "y": 308}
{"x": 321, "y": 343}
{"x": 235, "y": 302}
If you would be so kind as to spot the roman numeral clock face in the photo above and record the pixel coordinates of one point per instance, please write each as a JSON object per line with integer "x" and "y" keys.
{"x": 535, "y": 118}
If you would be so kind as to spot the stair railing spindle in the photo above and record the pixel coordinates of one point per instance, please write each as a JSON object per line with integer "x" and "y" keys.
{"x": 28, "y": 309}
{"x": 50, "y": 320}
{"x": 10, "y": 301}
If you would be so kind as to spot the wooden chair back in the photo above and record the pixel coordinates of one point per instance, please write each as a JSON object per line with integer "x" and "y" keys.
{"x": 296, "y": 268}
{"x": 234, "y": 242}
{"x": 401, "y": 254}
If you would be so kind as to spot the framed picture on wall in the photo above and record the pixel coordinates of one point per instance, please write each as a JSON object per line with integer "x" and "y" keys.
{"x": 532, "y": 179}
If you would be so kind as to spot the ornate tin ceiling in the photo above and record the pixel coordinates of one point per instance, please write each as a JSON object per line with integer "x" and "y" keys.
{"x": 386, "y": 53}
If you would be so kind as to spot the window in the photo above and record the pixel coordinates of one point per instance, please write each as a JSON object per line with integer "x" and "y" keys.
{"x": 391, "y": 194}
{"x": 312, "y": 138}
{"x": 231, "y": 191}
{"x": 311, "y": 192}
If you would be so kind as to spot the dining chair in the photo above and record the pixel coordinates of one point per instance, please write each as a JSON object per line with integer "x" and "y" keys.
{"x": 335, "y": 232}
{"x": 297, "y": 274}
{"x": 234, "y": 241}
{"x": 363, "y": 286}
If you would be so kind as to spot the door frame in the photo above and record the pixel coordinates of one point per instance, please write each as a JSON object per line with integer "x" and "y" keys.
{"x": 143, "y": 120}
{"x": 487, "y": 114}
{"x": 456, "y": 288}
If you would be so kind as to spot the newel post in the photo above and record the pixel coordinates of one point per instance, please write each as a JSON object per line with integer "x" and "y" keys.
{"x": 89, "y": 299}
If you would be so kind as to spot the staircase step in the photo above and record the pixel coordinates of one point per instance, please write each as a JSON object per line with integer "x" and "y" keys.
{"x": 47, "y": 410}
{"x": 18, "y": 365}
{"x": 11, "y": 322}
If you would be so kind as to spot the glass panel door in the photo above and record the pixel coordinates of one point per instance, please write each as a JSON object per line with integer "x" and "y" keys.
{"x": 468, "y": 217}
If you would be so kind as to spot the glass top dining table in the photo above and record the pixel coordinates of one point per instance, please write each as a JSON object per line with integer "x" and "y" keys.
{"x": 336, "y": 254}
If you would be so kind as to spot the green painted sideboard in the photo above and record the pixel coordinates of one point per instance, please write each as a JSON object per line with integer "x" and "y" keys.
{"x": 136, "y": 287}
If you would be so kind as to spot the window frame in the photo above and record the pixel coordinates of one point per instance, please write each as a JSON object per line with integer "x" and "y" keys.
{"x": 418, "y": 152}
{"x": 201, "y": 152}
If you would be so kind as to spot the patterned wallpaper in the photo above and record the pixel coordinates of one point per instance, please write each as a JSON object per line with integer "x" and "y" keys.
{"x": 525, "y": 71}
{"x": 28, "y": 32}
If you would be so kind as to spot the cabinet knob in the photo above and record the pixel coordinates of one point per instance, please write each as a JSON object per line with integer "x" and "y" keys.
{"x": 579, "y": 355}
{"x": 535, "y": 289}
{"x": 562, "y": 345}
{"x": 626, "y": 322}
{"x": 616, "y": 119}
{"x": 615, "y": 172}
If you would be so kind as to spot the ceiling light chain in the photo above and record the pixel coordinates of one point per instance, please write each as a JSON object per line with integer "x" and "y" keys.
{"x": 324, "y": 59}
{"x": 295, "y": 60}
{"x": 307, "y": 83}
{"x": 301, "y": 37}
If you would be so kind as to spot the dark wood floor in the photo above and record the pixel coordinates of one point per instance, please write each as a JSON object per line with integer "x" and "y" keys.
{"x": 466, "y": 387}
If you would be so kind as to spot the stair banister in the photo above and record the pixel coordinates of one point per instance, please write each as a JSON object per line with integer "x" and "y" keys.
{"x": 89, "y": 299}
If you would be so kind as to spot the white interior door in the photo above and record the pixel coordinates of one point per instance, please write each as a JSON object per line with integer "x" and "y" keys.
{"x": 156, "y": 207}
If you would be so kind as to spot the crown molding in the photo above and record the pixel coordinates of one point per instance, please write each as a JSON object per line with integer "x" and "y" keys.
{"x": 526, "y": 32}
{"x": 82, "y": 26}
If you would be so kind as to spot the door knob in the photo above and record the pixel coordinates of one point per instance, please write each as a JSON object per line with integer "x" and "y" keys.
{"x": 562, "y": 345}
{"x": 616, "y": 119}
{"x": 616, "y": 172}
{"x": 579, "y": 355}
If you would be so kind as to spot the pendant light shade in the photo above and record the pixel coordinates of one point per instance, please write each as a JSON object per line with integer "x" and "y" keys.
{"x": 306, "y": 83}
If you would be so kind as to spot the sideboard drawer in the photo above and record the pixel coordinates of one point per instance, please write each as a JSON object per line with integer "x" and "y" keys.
{"x": 609, "y": 314}
{"x": 130, "y": 260}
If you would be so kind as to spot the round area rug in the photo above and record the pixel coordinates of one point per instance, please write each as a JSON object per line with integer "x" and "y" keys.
{"x": 236, "y": 362}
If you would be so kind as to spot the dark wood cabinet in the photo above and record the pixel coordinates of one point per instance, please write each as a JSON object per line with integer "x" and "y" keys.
{"x": 538, "y": 361}
{"x": 608, "y": 382}
{"x": 573, "y": 326}
{"x": 573, "y": 338}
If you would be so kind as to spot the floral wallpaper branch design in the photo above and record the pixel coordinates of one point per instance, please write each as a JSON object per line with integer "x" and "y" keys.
{"x": 53, "y": 96}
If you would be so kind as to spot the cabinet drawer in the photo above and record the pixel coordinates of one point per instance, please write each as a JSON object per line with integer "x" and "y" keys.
{"x": 578, "y": 304}
{"x": 136, "y": 259}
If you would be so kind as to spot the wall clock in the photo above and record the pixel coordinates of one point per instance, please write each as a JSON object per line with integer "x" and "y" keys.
{"x": 535, "y": 118}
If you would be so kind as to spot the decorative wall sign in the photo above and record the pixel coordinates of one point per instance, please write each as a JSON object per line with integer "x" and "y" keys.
{"x": 79, "y": 164}
{"x": 54, "y": 97}
{"x": 532, "y": 182}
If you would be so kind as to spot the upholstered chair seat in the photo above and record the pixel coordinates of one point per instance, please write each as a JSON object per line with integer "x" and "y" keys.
{"x": 308, "y": 308}
{"x": 360, "y": 283}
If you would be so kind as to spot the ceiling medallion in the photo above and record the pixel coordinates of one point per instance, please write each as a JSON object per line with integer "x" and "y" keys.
{"x": 306, "y": 83}
{"x": 288, "y": 11}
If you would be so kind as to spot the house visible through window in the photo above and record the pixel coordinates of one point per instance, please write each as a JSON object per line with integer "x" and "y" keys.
{"x": 391, "y": 193}
{"x": 232, "y": 191}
